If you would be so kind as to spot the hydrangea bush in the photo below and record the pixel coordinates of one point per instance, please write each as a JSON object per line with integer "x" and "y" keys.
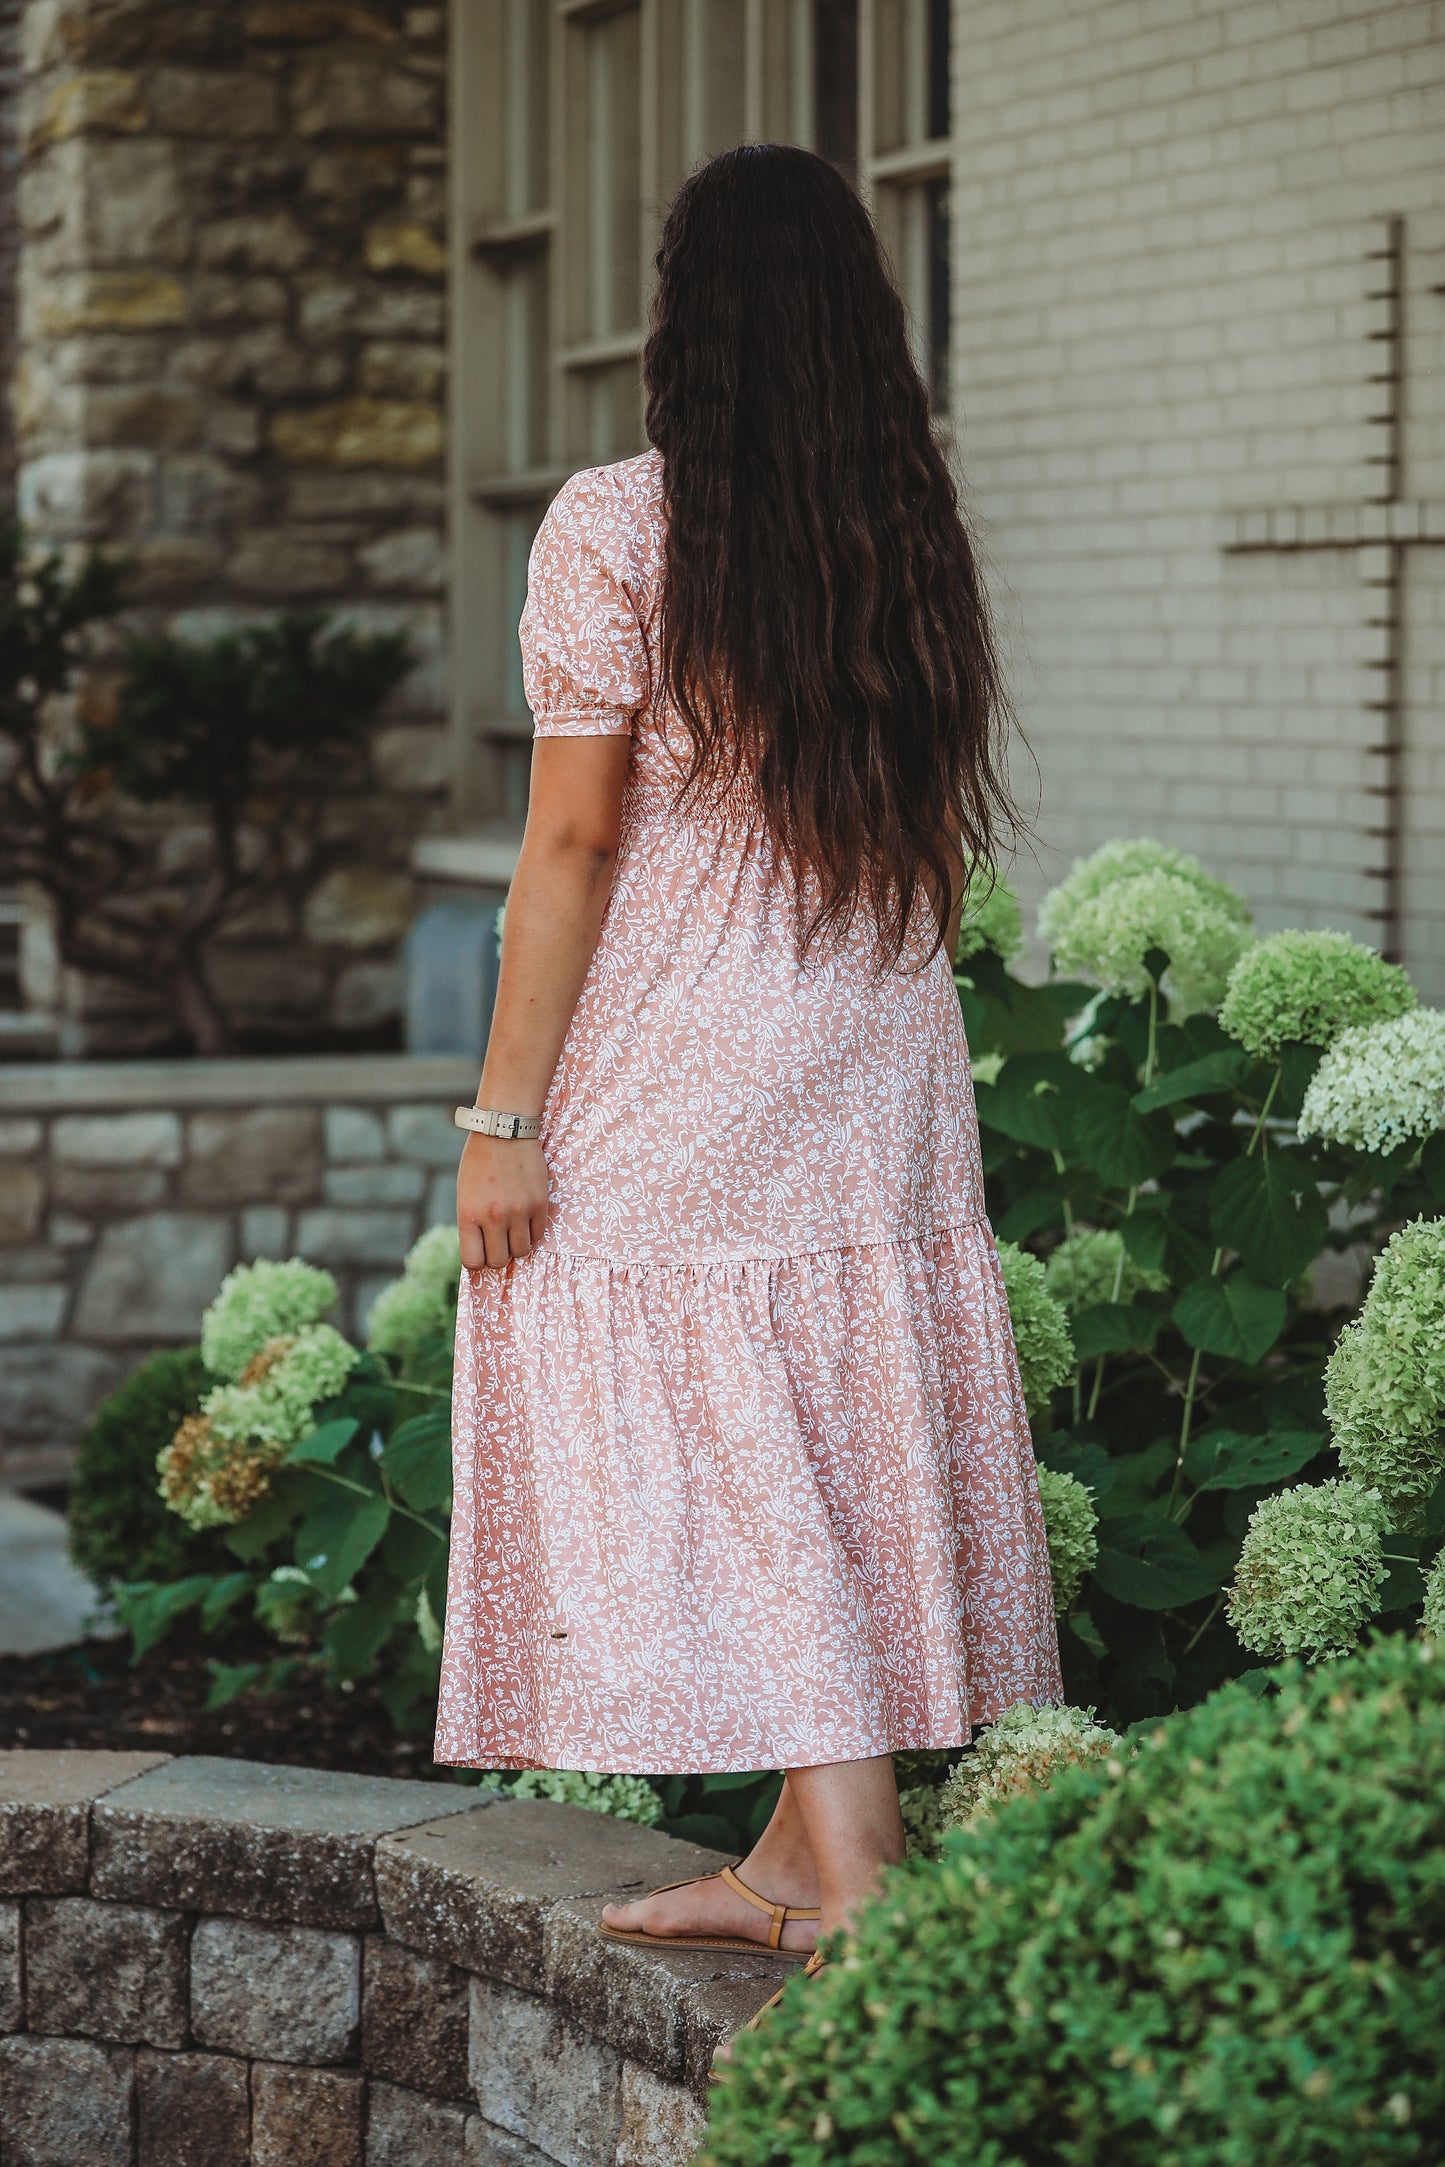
{"x": 1177, "y": 1124}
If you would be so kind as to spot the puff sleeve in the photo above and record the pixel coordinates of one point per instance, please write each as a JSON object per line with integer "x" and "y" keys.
{"x": 584, "y": 656}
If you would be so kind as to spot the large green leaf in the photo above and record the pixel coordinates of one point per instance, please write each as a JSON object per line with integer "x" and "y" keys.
{"x": 1230, "y": 1460}
{"x": 324, "y": 1446}
{"x": 1114, "y": 1328}
{"x": 1125, "y": 1147}
{"x": 148, "y": 1610}
{"x": 419, "y": 1460}
{"x": 1196, "y": 1080}
{"x": 1268, "y": 1208}
{"x": 1151, "y": 1563}
{"x": 1085, "y": 1458}
{"x": 356, "y": 1631}
{"x": 269, "y": 1519}
{"x": 337, "y": 1537}
{"x": 1030, "y": 1100}
{"x": 1235, "y": 1317}
{"x": 1040, "y": 1208}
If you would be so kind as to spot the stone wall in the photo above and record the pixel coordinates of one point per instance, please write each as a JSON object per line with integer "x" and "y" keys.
{"x": 231, "y": 363}
{"x": 127, "y": 1191}
{"x": 219, "y": 1962}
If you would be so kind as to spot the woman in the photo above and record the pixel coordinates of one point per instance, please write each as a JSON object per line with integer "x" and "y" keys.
{"x": 743, "y": 1478}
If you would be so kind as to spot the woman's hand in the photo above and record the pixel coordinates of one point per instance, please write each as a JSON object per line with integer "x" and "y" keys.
{"x": 502, "y": 1201}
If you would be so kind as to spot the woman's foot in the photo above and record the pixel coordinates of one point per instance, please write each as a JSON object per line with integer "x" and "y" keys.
{"x": 779, "y": 1868}
{"x": 710, "y": 1907}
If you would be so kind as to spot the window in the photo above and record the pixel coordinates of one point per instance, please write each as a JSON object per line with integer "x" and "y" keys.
{"x": 573, "y": 122}
{"x": 906, "y": 164}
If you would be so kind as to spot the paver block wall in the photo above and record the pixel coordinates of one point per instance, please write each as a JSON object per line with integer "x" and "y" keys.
{"x": 221, "y": 1962}
{"x": 128, "y": 1191}
{"x": 230, "y": 364}
{"x": 1164, "y": 219}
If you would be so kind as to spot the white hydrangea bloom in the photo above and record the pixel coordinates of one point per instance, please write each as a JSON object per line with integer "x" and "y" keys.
{"x": 1380, "y": 1084}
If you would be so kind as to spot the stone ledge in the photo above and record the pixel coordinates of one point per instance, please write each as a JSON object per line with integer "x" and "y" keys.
{"x": 370, "y": 1079}
{"x": 285, "y": 1845}
{"x": 198, "y": 1943}
{"x": 45, "y": 1802}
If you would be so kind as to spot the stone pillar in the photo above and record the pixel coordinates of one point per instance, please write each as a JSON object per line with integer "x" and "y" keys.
{"x": 230, "y": 367}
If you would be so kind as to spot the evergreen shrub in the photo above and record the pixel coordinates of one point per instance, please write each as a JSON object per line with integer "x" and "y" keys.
{"x": 1225, "y": 1949}
{"x": 120, "y": 1527}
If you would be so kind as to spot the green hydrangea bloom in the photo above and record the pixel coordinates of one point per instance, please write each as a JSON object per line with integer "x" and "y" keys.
{"x": 1127, "y": 860}
{"x": 1041, "y": 1330}
{"x": 1309, "y": 986}
{"x": 1107, "y": 938}
{"x": 1092, "y": 1265}
{"x": 1023, "y": 1751}
{"x": 626, "y": 1798}
{"x": 1432, "y": 1617}
{"x": 991, "y": 919}
{"x": 260, "y": 1302}
{"x": 1072, "y": 1526}
{"x": 421, "y": 1305}
{"x": 1385, "y": 1381}
{"x": 1310, "y": 1572}
{"x": 1380, "y": 1085}
{"x": 281, "y": 1387}
{"x": 434, "y": 1261}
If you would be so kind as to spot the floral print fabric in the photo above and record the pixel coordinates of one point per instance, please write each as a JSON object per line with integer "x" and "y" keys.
{"x": 743, "y": 1477}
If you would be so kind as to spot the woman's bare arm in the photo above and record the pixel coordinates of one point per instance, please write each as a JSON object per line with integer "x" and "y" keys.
{"x": 554, "y": 911}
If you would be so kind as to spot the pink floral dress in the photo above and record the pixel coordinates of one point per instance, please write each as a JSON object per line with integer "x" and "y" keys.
{"x": 743, "y": 1476}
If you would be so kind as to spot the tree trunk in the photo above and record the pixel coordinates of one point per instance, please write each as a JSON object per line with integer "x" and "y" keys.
{"x": 196, "y": 1006}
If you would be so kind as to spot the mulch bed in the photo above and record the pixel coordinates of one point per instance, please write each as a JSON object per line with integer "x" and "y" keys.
{"x": 90, "y": 1695}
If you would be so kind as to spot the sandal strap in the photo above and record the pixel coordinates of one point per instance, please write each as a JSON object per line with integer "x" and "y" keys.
{"x": 779, "y": 1913}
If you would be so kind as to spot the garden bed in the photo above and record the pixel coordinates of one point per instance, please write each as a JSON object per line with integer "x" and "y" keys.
{"x": 91, "y": 1696}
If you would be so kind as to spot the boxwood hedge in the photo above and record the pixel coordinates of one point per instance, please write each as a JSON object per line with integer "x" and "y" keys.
{"x": 1225, "y": 1948}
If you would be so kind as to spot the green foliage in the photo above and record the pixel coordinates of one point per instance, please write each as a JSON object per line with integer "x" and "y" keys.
{"x": 119, "y": 1528}
{"x": 1072, "y": 1527}
{"x": 232, "y": 728}
{"x": 1159, "y": 1171}
{"x": 1226, "y": 1949}
{"x": 196, "y": 719}
{"x": 1309, "y": 987}
{"x": 626, "y": 1798}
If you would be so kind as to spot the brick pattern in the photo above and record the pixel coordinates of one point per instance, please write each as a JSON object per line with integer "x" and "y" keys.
{"x": 229, "y": 363}
{"x": 117, "y": 1227}
{"x": 134, "y": 2035}
{"x": 1162, "y": 223}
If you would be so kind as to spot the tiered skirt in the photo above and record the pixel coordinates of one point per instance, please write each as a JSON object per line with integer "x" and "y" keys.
{"x": 743, "y": 1514}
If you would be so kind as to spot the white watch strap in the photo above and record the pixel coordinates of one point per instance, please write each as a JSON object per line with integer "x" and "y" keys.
{"x": 485, "y": 1121}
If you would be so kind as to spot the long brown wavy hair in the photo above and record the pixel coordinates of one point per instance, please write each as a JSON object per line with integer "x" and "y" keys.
{"x": 825, "y": 633}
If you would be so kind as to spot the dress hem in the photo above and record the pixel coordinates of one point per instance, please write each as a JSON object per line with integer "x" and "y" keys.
{"x": 949, "y": 1738}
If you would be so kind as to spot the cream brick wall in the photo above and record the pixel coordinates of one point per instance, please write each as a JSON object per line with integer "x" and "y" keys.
{"x": 1163, "y": 211}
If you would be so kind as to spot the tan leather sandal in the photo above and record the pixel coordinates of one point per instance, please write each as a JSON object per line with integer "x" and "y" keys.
{"x": 779, "y": 1915}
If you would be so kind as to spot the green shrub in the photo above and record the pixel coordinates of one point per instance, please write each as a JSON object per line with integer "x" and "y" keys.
{"x": 120, "y": 1529}
{"x": 1226, "y": 1950}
